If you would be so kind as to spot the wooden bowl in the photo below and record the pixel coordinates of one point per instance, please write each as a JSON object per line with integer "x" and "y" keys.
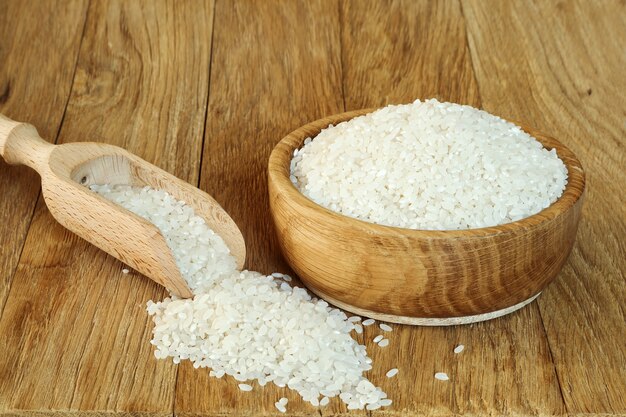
{"x": 424, "y": 277}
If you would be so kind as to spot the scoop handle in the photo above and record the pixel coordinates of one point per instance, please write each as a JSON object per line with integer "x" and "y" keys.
{"x": 20, "y": 144}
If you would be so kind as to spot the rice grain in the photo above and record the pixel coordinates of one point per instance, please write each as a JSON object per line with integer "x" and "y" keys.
{"x": 429, "y": 165}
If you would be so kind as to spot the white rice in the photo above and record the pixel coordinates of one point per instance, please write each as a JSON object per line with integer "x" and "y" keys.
{"x": 201, "y": 255}
{"x": 280, "y": 407}
{"x": 459, "y": 349}
{"x": 383, "y": 343}
{"x": 385, "y": 327}
{"x": 442, "y": 376}
{"x": 125, "y": 271}
{"x": 429, "y": 165}
{"x": 392, "y": 372}
{"x": 378, "y": 338}
{"x": 243, "y": 323}
{"x": 368, "y": 322}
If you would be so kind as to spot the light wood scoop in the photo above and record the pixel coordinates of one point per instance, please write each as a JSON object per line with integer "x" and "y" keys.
{"x": 68, "y": 170}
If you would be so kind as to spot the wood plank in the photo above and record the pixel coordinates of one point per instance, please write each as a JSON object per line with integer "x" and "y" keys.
{"x": 560, "y": 67}
{"x": 425, "y": 42}
{"x": 35, "y": 83}
{"x": 276, "y": 65}
{"x": 75, "y": 333}
{"x": 394, "y": 52}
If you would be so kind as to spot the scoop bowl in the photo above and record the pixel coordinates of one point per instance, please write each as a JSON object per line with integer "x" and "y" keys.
{"x": 422, "y": 277}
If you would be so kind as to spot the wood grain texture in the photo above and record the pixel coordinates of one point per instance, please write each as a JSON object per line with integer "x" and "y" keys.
{"x": 275, "y": 66}
{"x": 426, "y": 41}
{"x": 278, "y": 86}
{"x": 38, "y": 52}
{"x": 82, "y": 344}
{"x": 506, "y": 368}
{"x": 404, "y": 274}
{"x": 561, "y": 66}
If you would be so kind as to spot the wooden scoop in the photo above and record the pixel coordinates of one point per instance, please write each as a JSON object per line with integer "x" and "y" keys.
{"x": 68, "y": 170}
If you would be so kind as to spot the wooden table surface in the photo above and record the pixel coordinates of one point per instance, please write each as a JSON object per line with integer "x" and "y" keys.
{"x": 205, "y": 89}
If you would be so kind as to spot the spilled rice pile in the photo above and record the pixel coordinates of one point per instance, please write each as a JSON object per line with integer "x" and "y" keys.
{"x": 245, "y": 324}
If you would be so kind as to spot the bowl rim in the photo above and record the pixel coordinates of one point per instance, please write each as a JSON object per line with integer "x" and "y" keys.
{"x": 279, "y": 167}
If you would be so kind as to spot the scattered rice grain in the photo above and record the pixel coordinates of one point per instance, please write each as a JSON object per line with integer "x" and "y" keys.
{"x": 385, "y": 327}
{"x": 280, "y": 407}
